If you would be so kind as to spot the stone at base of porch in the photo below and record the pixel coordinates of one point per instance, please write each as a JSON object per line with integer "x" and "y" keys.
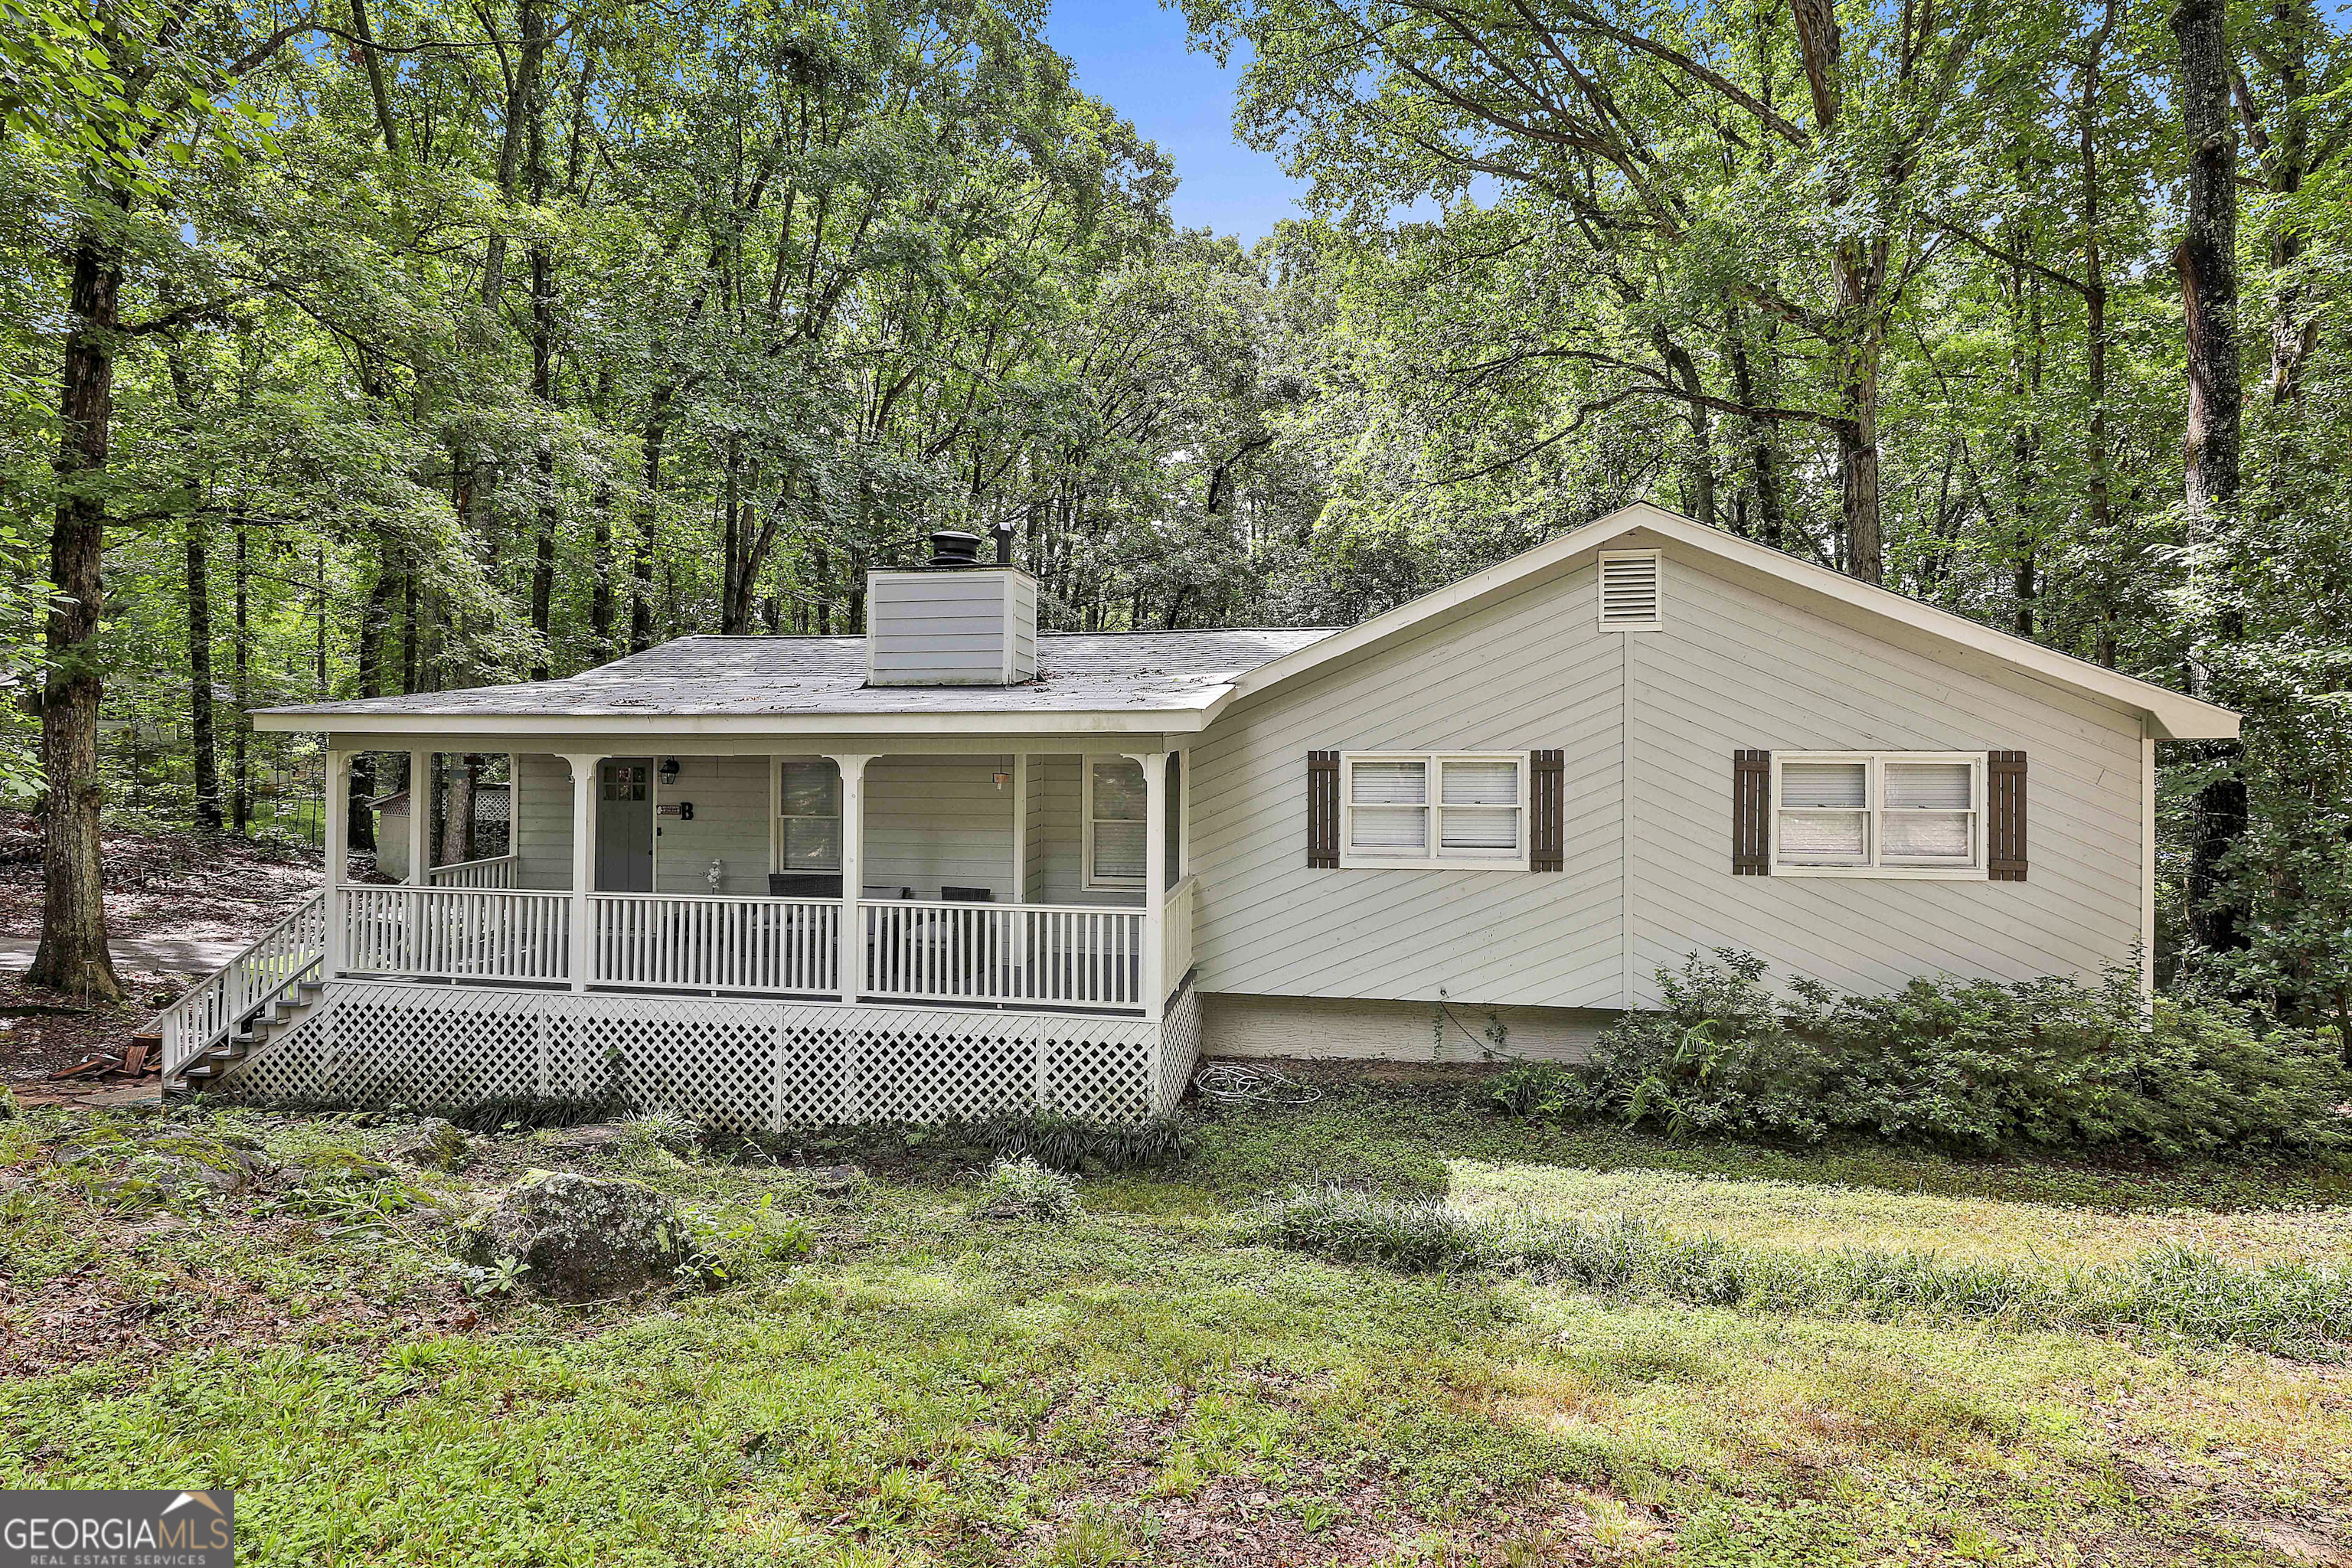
{"x": 740, "y": 1064}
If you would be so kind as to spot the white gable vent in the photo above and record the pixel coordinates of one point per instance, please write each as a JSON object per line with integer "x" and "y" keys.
{"x": 1631, "y": 598}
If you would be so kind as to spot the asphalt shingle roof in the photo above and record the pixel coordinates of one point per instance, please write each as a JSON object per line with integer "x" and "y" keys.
{"x": 750, "y": 677}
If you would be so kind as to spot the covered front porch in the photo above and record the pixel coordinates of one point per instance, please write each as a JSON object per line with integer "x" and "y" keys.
{"x": 1039, "y": 877}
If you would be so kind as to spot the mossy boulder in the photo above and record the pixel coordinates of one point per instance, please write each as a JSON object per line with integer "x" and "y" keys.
{"x": 583, "y": 1238}
{"x": 433, "y": 1144}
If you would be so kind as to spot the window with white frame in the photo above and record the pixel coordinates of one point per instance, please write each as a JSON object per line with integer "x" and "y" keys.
{"x": 1886, "y": 813}
{"x": 1453, "y": 809}
{"x": 1115, "y": 824}
{"x": 810, "y": 807}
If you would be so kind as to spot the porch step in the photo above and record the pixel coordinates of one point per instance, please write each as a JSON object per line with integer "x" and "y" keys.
{"x": 277, "y": 1016}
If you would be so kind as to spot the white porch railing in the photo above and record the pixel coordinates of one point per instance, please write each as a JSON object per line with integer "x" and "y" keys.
{"x": 498, "y": 871}
{"x": 214, "y": 1008}
{"x": 457, "y": 933}
{"x": 789, "y": 946}
{"x": 1050, "y": 954}
{"x": 1176, "y": 934}
{"x": 1062, "y": 955}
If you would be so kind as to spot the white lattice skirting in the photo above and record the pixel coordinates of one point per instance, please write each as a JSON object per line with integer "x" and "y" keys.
{"x": 743, "y": 1065}
{"x": 1180, "y": 1046}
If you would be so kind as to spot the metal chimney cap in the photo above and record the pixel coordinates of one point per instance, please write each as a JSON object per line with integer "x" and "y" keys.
{"x": 953, "y": 547}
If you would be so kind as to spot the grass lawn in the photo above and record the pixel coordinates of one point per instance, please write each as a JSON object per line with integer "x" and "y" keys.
{"x": 924, "y": 1385}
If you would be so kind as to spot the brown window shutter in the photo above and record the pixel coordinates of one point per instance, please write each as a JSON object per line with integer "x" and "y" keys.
{"x": 1322, "y": 808}
{"x": 2005, "y": 815}
{"x": 1751, "y": 814}
{"x": 1547, "y": 773}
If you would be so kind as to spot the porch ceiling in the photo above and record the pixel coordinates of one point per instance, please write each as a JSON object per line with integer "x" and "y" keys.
{"x": 1141, "y": 682}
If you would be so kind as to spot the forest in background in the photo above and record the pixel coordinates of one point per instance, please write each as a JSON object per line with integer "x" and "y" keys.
{"x": 352, "y": 347}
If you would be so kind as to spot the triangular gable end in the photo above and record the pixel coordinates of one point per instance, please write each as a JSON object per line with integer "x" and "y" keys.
{"x": 2170, "y": 714}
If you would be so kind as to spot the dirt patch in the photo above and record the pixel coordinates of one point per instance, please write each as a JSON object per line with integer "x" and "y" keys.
{"x": 41, "y": 1031}
{"x": 1144, "y": 1489}
{"x": 186, "y": 886}
{"x": 208, "y": 886}
{"x": 92, "y": 1316}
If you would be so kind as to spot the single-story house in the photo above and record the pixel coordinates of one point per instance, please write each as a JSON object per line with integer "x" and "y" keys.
{"x": 956, "y": 865}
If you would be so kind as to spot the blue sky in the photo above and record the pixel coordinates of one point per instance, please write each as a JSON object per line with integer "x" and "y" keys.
{"x": 1131, "y": 54}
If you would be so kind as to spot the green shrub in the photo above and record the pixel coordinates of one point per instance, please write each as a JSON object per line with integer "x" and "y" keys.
{"x": 1971, "y": 1065}
{"x": 1345, "y": 1226}
{"x": 1539, "y": 1091}
{"x": 664, "y": 1130}
{"x": 1024, "y": 1189}
{"x": 1075, "y": 1144}
{"x": 2286, "y": 1308}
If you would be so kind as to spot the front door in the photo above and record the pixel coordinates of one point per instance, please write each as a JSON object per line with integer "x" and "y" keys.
{"x": 624, "y": 825}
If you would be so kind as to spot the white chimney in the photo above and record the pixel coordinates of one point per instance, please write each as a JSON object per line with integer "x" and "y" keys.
{"x": 953, "y": 623}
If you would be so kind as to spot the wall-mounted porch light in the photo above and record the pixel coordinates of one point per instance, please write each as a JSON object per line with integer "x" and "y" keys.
{"x": 669, "y": 770}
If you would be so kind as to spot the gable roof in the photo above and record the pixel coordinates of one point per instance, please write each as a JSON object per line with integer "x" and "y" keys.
{"x": 1144, "y": 682}
{"x": 1091, "y": 682}
{"x": 2173, "y": 715}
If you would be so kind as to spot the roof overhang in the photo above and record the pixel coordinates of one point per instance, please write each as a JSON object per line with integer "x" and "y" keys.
{"x": 365, "y": 726}
{"x": 2171, "y": 715}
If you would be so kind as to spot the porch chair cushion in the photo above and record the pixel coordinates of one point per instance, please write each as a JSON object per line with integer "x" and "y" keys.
{"x": 967, "y": 895}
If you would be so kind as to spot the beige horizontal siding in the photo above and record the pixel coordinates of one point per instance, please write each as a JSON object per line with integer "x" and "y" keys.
{"x": 1733, "y": 668}
{"x": 542, "y": 827}
{"x": 1736, "y": 669}
{"x": 730, "y": 798}
{"x": 1506, "y": 678}
{"x": 939, "y": 821}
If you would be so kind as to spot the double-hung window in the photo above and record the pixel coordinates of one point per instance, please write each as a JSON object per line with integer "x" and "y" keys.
{"x": 1878, "y": 814}
{"x": 1442, "y": 809}
{"x": 1115, "y": 824}
{"x": 810, "y": 806}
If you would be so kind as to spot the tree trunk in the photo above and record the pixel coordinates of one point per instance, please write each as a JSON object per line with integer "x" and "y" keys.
{"x": 457, "y": 811}
{"x": 368, "y": 55}
{"x": 1771, "y": 525}
{"x": 2206, "y": 260}
{"x": 600, "y": 564}
{"x": 2294, "y": 332}
{"x": 521, "y": 91}
{"x": 201, "y": 739}
{"x": 241, "y": 666}
{"x": 73, "y": 954}
{"x": 412, "y": 641}
{"x": 2025, "y": 440}
{"x": 2099, "y": 483}
{"x": 1865, "y": 551}
{"x": 375, "y": 626}
{"x": 542, "y": 373}
{"x": 641, "y": 557}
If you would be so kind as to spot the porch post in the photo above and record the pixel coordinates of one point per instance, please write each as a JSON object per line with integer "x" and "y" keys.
{"x": 420, "y": 817}
{"x": 339, "y": 831}
{"x": 1155, "y": 875}
{"x": 853, "y": 856}
{"x": 1182, "y": 804}
{"x": 583, "y": 863}
{"x": 1020, "y": 828}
